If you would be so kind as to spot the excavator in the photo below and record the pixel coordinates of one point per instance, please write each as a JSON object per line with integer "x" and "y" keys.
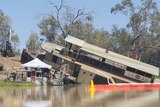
{"x": 6, "y": 49}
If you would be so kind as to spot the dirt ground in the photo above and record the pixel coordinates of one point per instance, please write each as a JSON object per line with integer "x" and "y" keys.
{"x": 8, "y": 63}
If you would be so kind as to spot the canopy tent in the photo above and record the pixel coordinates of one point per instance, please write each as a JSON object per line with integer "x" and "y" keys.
{"x": 36, "y": 63}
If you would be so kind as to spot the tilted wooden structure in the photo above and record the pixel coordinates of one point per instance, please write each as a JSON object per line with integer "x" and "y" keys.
{"x": 87, "y": 62}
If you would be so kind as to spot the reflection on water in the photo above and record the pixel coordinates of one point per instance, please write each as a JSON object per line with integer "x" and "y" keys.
{"x": 76, "y": 96}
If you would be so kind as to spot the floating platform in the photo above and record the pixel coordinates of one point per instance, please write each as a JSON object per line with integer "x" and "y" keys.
{"x": 126, "y": 86}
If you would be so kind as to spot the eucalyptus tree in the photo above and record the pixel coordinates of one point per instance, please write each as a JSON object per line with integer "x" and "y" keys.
{"x": 4, "y": 26}
{"x": 120, "y": 40}
{"x": 15, "y": 42}
{"x": 64, "y": 21}
{"x": 48, "y": 28}
{"x": 144, "y": 25}
{"x": 33, "y": 43}
{"x": 100, "y": 38}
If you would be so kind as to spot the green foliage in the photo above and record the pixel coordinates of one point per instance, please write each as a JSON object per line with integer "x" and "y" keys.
{"x": 120, "y": 40}
{"x": 141, "y": 30}
{"x": 15, "y": 39}
{"x": 15, "y": 42}
{"x": 82, "y": 30}
{"x": 17, "y": 52}
{"x": 144, "y": 27}
{"x": 123, "y": 7}
{"x": 33, "y": 43}
{"x": 65, "y": 22}
{"x": 49, "y": 28}
{"x": 4, "y": 26}
{"x": 100, "y": 38}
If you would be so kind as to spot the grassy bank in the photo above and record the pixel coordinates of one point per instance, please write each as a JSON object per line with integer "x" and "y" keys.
{"x": 16, "y": 84}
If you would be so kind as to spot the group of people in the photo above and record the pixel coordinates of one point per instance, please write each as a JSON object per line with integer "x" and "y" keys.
{"x": 16, "y": 76}
{"x": 60, "y": 75}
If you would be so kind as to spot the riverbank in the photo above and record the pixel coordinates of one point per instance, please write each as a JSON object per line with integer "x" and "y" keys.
{"x": 16, "y": 84}
{"x": 8, "y": 64}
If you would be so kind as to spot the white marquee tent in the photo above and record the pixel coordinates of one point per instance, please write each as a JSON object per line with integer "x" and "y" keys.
{"x": 36, "y": 63}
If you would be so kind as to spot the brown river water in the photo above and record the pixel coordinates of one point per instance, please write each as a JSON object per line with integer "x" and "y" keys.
{"x": 76, "y": 96}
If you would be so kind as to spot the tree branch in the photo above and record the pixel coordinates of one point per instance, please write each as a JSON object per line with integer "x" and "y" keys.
{"x": 58, "y": 9}
{"x": 58, "y": 13}
{"x": 79, "y": 13}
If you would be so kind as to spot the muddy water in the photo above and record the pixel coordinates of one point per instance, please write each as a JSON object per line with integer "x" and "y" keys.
{"x": 76, "y": 96}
